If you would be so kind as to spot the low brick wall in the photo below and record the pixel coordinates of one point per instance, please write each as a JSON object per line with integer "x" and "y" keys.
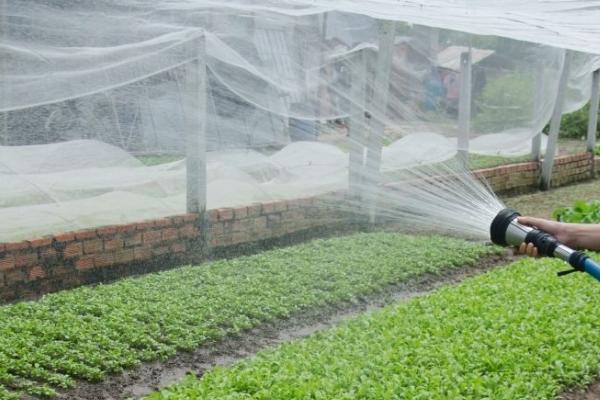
{"x": 524, "y": 176}
{"x": 32, "y": 267}
{"x": 45, "y": 264}
{"x": 41, "y": 265}
{"x": 575, "y": 168}
{"x": 257, "y": 222}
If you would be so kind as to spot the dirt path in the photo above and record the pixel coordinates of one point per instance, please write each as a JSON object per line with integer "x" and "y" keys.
{"x": 541, "y": 204}
{"x": 592, "y": 392}
{"x": 152, "y": 376}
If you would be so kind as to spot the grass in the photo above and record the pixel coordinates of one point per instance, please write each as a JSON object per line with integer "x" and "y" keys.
{"x": 90, "y": 332}
{"x": 156, "y": 159}
{"x": 477, "y": 161}
{"x": 515, "y": 333}
{"x": 566, "y": 146}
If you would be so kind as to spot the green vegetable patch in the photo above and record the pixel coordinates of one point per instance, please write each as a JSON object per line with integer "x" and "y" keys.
{"x": 581, "y": 212}
{"x": 88, "y": 333}
{"x": 518, "y": 332}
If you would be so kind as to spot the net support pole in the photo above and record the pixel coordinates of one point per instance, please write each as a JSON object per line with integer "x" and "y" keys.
{"x": 4, "y": 90}
{"x": 357, "y": 124}
{"x": 194, "y": 97}
{"x": 548, "y": 162}
{"x": 593, "y": 116}
{"x": 434, "y": 43}
{"x": 387, "y": 30}
{"x": 464, "y": 107}
{"x": 316, "y": 72}
{"x": 538, "y": 102}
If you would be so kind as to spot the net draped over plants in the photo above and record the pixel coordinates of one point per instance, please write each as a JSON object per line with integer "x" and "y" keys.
{"x": 281, "y": 92}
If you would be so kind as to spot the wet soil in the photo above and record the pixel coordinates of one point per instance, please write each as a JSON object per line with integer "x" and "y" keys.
{"x": 149, "y": 377}
{"x": 592, "y": 392}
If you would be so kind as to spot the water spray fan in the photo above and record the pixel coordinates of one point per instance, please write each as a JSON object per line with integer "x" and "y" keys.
{"x": 505, "y": 230}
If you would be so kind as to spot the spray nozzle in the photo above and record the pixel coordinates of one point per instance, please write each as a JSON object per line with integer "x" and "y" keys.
{"x": 500, "y": 225}
{"x": 505, "y": 230}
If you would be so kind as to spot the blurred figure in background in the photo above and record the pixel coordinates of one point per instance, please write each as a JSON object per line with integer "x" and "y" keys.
{"x": 434, "y": 90}
{"x": 452, "y": 87}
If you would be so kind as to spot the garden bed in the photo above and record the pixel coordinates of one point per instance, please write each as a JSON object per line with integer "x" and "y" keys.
{"x": 91, "y": 333}
{"x": 152, "y": 376}
{"x": 515, "y": 332}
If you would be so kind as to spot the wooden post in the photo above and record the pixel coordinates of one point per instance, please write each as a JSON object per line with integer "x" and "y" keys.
{"x": 548, "y": 163}
{"x": 387, "y": 32}
{"x": 194, "y": 100}
{"x": 464, "y": 108}
{"x": 357, "y": 127}
{"x": 538, "y": 102}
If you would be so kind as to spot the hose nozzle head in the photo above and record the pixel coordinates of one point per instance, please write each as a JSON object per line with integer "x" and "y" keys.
{"x": 500, "y": 225}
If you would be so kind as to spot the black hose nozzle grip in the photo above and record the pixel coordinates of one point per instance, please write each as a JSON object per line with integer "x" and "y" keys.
{"x": 545, "y": 243}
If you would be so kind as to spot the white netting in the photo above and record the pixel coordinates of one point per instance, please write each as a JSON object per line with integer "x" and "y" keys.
{"x": 88, "y": 89}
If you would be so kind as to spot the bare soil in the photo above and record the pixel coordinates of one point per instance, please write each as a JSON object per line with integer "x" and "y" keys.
{"x": 592, "y": 392}
{"x": 149, "y": 377}
{"x": 542, "y": 204}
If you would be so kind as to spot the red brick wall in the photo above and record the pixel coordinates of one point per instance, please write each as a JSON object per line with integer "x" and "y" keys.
{"x": 32, "y": 267}
{"x": 261, "y": 221}
{"x": 514, "y": 177}
{"x": 573, "y": 168}
{"x": 42, "y": 265}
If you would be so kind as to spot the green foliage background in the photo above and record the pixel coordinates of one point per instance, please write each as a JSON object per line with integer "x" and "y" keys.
{"x": 505, "y": 103}
{"x": 581, "y": 212}
{"x": 574, "y": 125}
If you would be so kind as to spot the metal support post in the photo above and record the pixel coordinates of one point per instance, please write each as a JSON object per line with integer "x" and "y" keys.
{"x": 538, "y": 104}
{"x": 464, "y": 107}
{"x": 434, "y": 44}
{"x": 548, "y": 163}
{"x": 592, "y": 130}
{"x": 593, "y": 116}
{"x": 194, "y": 100}
{"x": 357, "y": 128}
{"x": 5, "y": 89}
{"x": 387, "y": 31}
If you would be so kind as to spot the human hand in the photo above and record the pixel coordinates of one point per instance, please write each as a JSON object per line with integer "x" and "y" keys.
{"x": 528, "y": 249}
{"x": 557, "y": 229}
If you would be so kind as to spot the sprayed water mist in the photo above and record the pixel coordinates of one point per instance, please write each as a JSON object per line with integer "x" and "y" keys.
{"x": 443, "y": 198}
